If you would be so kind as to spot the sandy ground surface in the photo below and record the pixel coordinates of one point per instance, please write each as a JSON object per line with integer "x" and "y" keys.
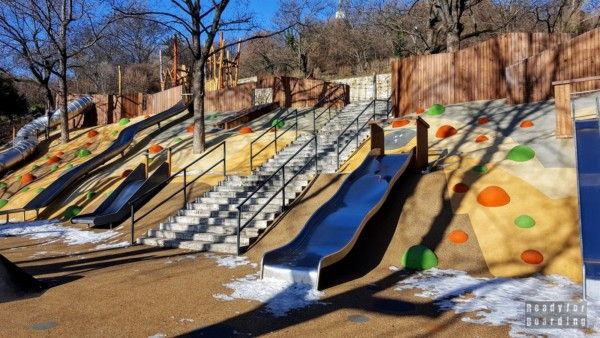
{"x": 141, "y": 291}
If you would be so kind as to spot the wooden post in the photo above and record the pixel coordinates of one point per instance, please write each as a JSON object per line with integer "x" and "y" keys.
{"x": 169, "y": 157}
{"x": 119, "y": 81}
{"x": 377, "y": 139}
{"x": 564, "y": 115}
{"x": 14, "y": 132}
{"x": 147, "y": 163}
{"x": 174, "y": 77}
{"x": 422, "y": 156}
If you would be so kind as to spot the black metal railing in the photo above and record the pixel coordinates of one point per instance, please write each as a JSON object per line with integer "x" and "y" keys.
{"x": 281, "y": 189}
{"x": 294, "y": 125}
{"x": 355, "y": 121}
{"x": 184, "y": 188}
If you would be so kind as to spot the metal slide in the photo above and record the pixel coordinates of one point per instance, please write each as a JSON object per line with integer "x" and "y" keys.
{"x": 26, "y": 139}
{"x": 116, "y": 207}
{"x": 588, "y": 176}
{"x": 121, "y": 143}
{"x": 334, "y": 228}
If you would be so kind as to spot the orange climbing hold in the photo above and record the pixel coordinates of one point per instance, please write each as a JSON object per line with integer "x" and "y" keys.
{"x": 155, "y": 149}
{"x": 445, "y": 131}
{"x": 481, "y": 139}
{"x": 458, "y": 237}
{"x": 89, "y": 144}
{"x": 245, "y": 130}
{"x": 493, "y": 196}
{"x": 527, "y": 124}
{"x": 461, "y": 188}
{"x": 126, "y": 173}
{"x": 420, "y": 110}
{"x": 59, "y": 153}
{"x": 53, "y": 159}
{"x": 400, "y": 123}
{"x": 92, "y": 134}
{"x": 190, "y": 128}
{"x": 483, "y": 120}
{"x": 27, "y": 178}
{"x": 532, "y": 257}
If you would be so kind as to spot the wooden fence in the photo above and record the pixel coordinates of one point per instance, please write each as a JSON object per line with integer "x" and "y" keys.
{"x": 474, "y": 73}
{"x": 531, "y": 79}
{"x": 230, "y": 99}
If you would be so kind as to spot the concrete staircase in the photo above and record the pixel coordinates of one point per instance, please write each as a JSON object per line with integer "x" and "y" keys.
{"x": 210, "y": 222}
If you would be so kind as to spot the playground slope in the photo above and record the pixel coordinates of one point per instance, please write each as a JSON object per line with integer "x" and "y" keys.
{"x": 175, "y": 132}
{"x": 103, "y": 281}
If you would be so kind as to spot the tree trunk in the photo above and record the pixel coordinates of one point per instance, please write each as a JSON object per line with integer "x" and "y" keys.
{"x": 49, "y": 96}
{"x": 453, "y": 40}
{"x": 64, "y": 117}
{"x": 199, "y": 145}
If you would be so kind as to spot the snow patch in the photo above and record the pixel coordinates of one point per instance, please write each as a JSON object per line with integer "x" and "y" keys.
{"x": 231, "y": 262}
{"x": 499, "y": 301}
{"x": 45, "y": 229}
{"x": 394, "y": 268}
{"x": 158, "y": 335}
{"x": 123, "y": 244}
{"x": 280, "y": 296}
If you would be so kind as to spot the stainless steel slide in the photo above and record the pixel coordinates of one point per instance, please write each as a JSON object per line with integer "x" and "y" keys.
{"x": 26, "y": 139}
{"x": 334, "y": 228}
{"x": 121, "y": 143}
{"x": 116, "y": 207}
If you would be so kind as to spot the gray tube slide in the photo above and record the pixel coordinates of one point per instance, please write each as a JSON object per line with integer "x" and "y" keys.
{"x": 125, "y": 138}
{"x": 26, "y": 140}
{"x": 334, "y": 228}
{"x": 116, "y": 207}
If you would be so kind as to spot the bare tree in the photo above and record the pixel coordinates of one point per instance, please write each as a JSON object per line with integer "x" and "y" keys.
{"x": 197, "y": 24}
{"x": 60, "y": 24}
{"x": 24, "y": 40}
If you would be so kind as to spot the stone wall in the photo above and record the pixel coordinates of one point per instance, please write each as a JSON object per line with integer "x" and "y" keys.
{"x": 361, "y": 88}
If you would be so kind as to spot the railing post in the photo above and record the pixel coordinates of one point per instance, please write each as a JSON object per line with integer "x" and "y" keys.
{"x": 314, "y": 120}
{"x": 374, "y": 107}
{"x": 224, "y": 159}
{"x": 169, "y": 160}
{"x": 251, "y": 144}
{"x": 132, "y": 224}
{"x": 275, "y": 138}
{"x": 239, "y": 224}
{"x": 357, "y": 132}
{"x": 296, "y": 113}
{"x": 283, "y": 186}
{"x": 337, "y": 152}
{"x": 316, "y": 157}
{"x": 184, "y": 187}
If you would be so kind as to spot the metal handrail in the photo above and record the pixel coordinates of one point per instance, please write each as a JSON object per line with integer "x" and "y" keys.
{"x": 338, "y": 151}
{"x": 281, "y": 168}
{"x": 295, "y": 124}
{"x": 159, "y": 186}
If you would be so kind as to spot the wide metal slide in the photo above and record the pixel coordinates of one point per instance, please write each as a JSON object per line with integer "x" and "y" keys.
{"x": 334, "y": 228}
{"x": 125, "y": 138}
{"x": 116, "y": 208}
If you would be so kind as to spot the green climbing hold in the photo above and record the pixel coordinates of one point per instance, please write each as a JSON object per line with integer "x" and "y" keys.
{"x": 54, "y": 167}
{"x": 19, "y": 177}
{"x": 277, "y": 123}
{"x": 69, "y": 166}
{"x": 419, "y": 257}
{"x": 3, "y": 185}
{"x": 108, "y": 193}
{"x": 83, "y": 153}
{"x": 35, "y": 167}
{"x": 3, "y": 203}
{"x": 521, "y": 153}
{"x": 436, "y": 109}
{"x": 26, "y": 189}
{"x": 524, "y": 221}
{"x": 72, "y": 211}
{"x": 39, "y": 190}
{"x": 177, "y": 140}
{"x": 90, "y": 195}
{"x": 46, "y": 158}
{"x": 115, "y": 133}
{"x": 482, "y": 169}
{"x": 212, "y": 117}
{"x": 124, "y": 121}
